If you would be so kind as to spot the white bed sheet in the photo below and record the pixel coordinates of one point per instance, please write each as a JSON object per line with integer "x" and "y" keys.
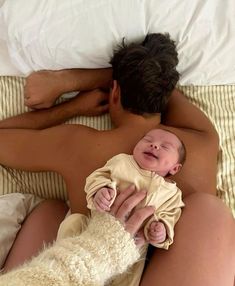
{"x": 57, "y": 34}
{"x": 6, "y": 65}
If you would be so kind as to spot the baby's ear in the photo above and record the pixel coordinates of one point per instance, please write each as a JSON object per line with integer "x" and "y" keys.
{"x": 175, "y": 169}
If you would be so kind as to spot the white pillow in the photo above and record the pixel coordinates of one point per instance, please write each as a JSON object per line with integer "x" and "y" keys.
{"x": 57, "y": 34}
{"x": 13, "y": 210}
{"x": 52, "y": 34}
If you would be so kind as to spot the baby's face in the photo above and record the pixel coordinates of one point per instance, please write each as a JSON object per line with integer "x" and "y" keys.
{"x": 158, "y": 151}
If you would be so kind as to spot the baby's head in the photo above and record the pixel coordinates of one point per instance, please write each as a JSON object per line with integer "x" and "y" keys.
{"x": 160, "y": 151}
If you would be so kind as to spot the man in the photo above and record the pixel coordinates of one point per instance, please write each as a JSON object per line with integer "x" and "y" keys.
{"x": 146, "y": 74}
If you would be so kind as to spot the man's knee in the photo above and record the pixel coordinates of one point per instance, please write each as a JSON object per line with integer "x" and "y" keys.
{"x": 208, "y": 215}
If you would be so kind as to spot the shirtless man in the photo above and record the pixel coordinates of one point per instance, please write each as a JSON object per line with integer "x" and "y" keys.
{"x": 200, "y": 254}
{"x": 203, "y": 252}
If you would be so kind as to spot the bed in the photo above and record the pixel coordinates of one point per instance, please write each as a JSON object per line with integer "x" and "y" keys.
{"x": 205, "y": 38}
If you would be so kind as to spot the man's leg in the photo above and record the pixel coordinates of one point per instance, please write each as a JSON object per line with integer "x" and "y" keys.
{"x": 204, "y": 250}
{"x": 40, "y": 227}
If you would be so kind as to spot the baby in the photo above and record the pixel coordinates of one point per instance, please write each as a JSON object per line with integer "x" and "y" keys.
{"x": 159, "y": 154}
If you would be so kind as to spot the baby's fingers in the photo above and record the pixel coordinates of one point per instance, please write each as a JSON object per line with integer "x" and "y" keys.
{"x": 100, "y": 206}
{"x": 107, "y": 193}
{"x": 156, "y": 237}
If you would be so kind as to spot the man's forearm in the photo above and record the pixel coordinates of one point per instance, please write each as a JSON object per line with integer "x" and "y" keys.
{"x": 90, "y": 103}
{"x": 41, "y": 119}
{"x": 85, "y": 79}
{"x": 43, "y": 88}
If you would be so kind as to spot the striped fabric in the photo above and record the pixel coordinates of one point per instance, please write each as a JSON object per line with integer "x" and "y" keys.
{"x": 218, "y": 102}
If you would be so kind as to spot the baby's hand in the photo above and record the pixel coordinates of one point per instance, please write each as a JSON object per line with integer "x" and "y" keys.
{"x": 103, "y": 198}
{"x": 156, "y": 232}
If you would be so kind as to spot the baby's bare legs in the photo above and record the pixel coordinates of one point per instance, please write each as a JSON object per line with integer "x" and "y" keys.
{"x": 40, "y": 226}
{"x": 203, "y": 252}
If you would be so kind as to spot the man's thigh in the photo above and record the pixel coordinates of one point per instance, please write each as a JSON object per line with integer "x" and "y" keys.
{"x": 203, "y": 252}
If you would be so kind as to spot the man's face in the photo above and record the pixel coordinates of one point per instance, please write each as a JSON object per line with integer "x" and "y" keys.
{"x": 158, "y": 151}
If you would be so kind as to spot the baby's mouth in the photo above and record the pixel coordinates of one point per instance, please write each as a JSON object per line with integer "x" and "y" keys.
{"x": 151, "y": 155}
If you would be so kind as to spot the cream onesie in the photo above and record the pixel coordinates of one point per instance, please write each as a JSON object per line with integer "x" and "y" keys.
{"x": 120, "y": 172}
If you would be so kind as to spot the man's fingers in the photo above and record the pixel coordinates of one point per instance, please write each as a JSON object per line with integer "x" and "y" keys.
{"x": 121, "y": 198}
{"x": 44, "y": 105}
{"x": 36, "y": 106}
{"x": 124, "y": 210}
{"x": 135, "y": 221}
{"x": 103, "y": 108}
{"x": 29, "y": 101}
{"x": 103, "y": 96}
{"x": 139, "y": 238}
{"x": 129, "y": 204}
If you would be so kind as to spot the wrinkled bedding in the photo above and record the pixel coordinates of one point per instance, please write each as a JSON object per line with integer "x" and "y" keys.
{"x": 44, "y": 35}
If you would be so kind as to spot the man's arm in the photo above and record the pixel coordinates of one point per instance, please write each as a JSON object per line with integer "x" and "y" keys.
{"x": 180, "y": 113}
{"x": 85, "y": 103}
{"x": 51, "y": 149}
{"x": 192, "y": 126}
{"x": 44, "y": 87}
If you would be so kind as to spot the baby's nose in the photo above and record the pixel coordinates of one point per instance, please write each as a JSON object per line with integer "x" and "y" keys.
{"x": 155, "y": 146}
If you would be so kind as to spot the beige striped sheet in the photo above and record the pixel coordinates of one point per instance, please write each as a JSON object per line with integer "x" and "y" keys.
{"x": 218, "y": 102}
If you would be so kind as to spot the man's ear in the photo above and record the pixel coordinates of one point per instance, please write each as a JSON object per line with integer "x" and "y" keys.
{"x": 175, "y": 169}
{"x": 115, "y": 93}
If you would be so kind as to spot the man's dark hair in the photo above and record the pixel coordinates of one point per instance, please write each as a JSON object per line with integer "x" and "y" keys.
{"x": 146, "y": 73}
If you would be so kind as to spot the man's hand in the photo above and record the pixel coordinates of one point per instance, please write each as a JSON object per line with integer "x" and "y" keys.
{"x": 91, "y": 103}
{"x": 42, "y": 88}
{"x": 124, "y": 210}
